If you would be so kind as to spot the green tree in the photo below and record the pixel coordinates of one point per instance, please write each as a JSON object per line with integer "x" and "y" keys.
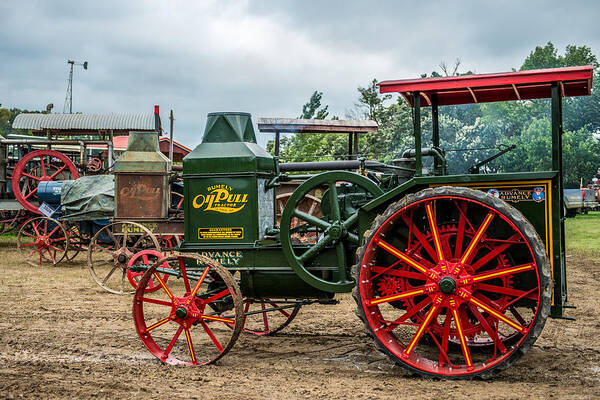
{"x": 313, "y": 146}
{"x": 542, "y": 57}
{"x": 577, "y": 111}
{"x": 581, "y": 157}
{"x": 481, "y": 129}
{"x": 394, "y": 121}
{"x": 371, "y": 103}
{"x": 312, "y": 109}
{"x": 7, "y": 116}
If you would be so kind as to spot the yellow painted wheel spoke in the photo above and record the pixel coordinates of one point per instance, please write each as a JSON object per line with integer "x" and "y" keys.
{"x": 190, "y": 346}
{"x": 387, "y": 299}
{"x": 195, "y": 290}
{"x": 159, "y": 323}
{"x": 219, "y": 319}
{"x": 503, "y": 272}
{"x": 411, "y": 346}
{"x": 490, "y": 310}
{"x": 484, "y": 225}
{"x": 405, "y": 258}
{"x": 463, "y": 340}
{"x": 163, "y": 285}
{"x": 434, "y": 232}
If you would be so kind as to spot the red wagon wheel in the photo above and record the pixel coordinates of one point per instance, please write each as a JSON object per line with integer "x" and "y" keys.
{"x": 42, "y": 240}
{"x": 266, "y": 317}
{"x": 39, "y": 166}
{"x": 168, "y": 243}
{"x": 110, "y": 250}
{"x": 176, "y": 206}
{"x": 9, "y": 219}
{"x": 309, "y": 204}
{"x": 147, "y": 258}
{"x": 195, "y": 318}
{"x": 453, "y": 283}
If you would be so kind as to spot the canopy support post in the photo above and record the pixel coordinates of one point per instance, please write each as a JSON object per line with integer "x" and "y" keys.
{"x": 350, "y": 146}
{"x": 435, "y": 129}
{"x": 557, "y": 165}
{"x": 417, "y": 132}
{"x": 277, "y": 144}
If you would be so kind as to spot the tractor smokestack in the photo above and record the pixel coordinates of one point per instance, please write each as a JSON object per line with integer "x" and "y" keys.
{"x": 157, "y": 126}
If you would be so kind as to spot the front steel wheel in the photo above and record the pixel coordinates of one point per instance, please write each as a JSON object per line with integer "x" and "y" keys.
{"x": 452, "y": 283}
{"x": 195, "y": 317}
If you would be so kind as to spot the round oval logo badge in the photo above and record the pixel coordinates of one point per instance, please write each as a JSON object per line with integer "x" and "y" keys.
{"x": 538, "y": 194}
{"x": 220, "y": 199}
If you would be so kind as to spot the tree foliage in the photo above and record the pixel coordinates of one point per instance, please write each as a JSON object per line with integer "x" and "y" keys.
{"x": 7, "y": 116}
{"x": 312, "y": 146}
{"x": 471, "y": 133}
{"x": 312, "y": 109}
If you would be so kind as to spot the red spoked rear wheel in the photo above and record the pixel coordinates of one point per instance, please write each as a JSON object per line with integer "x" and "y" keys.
{"x": 196, "y": 316}
{"x": 39, "y": 166}
{"x": 453, "y": 283}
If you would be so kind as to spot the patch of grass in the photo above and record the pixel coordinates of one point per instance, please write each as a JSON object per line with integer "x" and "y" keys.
{"x": 582, "y": 233}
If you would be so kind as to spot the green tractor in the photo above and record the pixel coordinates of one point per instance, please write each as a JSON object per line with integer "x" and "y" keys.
{"x": 454, "y": 276}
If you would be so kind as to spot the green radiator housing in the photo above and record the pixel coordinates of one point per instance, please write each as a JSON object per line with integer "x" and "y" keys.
{"x": 225, "y": 178}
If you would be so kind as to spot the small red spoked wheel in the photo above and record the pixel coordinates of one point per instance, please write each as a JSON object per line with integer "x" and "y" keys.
{"x": 39, "y": 166}
{"x": 94, "y": 164}
{"x": 168, "y": 243}
{"x": 452, "y": 283}
{"x": 42, "y": 240}
{"x": 176, "y": 207}
{"x": 146, "y": 258}
{"x": 77, "y": 241}
{"x": 197, "y": 315}
{"x": 266, "y": 317}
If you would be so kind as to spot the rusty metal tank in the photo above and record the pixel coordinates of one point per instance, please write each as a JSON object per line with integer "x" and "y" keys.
{"x": 142, "y": 179}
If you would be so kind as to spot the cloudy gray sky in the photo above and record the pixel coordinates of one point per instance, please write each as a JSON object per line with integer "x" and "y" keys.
{"x": 263, "y": 57}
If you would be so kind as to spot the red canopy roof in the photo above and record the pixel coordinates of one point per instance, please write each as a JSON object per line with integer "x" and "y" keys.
{"x": 519, "y": 85}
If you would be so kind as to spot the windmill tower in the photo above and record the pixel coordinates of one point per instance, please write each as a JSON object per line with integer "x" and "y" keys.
{"x": 69, "y": 98}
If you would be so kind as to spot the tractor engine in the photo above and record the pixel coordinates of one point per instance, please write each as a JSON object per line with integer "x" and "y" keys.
{"x": 142, "y": 179}
{"x": 225, "y": 185}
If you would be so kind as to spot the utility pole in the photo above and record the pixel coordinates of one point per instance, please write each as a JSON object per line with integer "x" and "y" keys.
{"x": 69, "y": 97}
{"x": 171, "y": 141}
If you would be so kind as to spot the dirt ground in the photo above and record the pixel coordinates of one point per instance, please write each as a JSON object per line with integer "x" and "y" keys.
{"x": 61, "y": 336}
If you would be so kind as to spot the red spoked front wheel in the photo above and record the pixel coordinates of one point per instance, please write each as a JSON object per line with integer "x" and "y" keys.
{"x": 453, "y": 283}
{"x": 39, "y": 166}
{"x": 196, "y": 316}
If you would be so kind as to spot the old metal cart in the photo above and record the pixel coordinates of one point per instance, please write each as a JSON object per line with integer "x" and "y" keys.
{"x": 454, "y": 276}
